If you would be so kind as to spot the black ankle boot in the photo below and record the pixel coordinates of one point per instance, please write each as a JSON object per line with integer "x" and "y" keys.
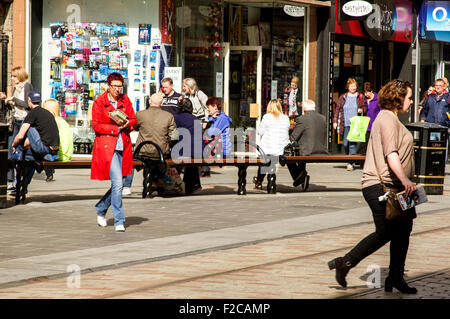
{"x": 342, "y": 267}
{"x": 396, "y": 280}
{"x": 271, "y": 184}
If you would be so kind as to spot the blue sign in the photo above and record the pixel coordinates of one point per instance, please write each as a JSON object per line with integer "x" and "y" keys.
{"x": 433, "y": 21}
{"x": 438, "y": 16}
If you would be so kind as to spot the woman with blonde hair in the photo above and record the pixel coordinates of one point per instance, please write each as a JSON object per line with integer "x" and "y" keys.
{"x": 274, "y": 133}
{"x": 17, "y": 106}
{"x": 197, "y": 97}
{"x": 65, "y": 150}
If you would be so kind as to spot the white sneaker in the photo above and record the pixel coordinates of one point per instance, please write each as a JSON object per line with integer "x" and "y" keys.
{"x": 101, "y": 221}
{"x": 350, "y": 167}
{"x": 120, "y": 228}
{"x": 126, "y": 191}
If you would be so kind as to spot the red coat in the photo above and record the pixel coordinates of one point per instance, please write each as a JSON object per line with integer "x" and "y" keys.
{"x": 106, "y": 134}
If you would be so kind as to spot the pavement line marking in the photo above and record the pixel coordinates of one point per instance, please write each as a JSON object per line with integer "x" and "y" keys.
{"x": 282, "y": 261}
{"x": 200, "y": 251}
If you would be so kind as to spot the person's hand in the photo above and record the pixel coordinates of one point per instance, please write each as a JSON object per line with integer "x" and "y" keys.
{"x": 8, "y": 100}
{"x": 334, "y": 125}
{"x": 359, "y": 110}
{"x": 410, "y": 187}
{"x": 2, "y": 95}
{"x": 204, "y": 125}
{"x": 125, "y": 125}
{"x": 118, "y": 121}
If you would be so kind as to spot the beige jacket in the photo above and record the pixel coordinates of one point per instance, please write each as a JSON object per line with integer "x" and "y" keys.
{"x": 157, "y": 126}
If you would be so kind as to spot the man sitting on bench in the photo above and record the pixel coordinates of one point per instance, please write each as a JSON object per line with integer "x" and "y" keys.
{"x": 38, "y": 137}
{"x": 310, "y": 133}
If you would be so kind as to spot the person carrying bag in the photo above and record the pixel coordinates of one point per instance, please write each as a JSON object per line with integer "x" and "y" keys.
{"x": 389, "y": 163}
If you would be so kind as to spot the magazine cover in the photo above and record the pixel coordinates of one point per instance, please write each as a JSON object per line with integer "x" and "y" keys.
{"x": 414, "y": 199}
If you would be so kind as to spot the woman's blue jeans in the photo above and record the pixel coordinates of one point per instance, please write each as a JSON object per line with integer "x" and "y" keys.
{"x": 16, "y": 128}
{"x": 113, "y": 196}
{"x": 350, "y": 147}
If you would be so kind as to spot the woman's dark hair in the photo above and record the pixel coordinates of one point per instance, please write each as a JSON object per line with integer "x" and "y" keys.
{"x": 214, "y": 101}
{"x": 185, "y": 106}
{"x": 392, "y": 94}
{"x": 114, "y": 77}
{"x": 367, "y": 87}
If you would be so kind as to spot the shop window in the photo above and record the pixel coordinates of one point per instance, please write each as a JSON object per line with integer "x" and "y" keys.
{"x": 199, "y": 41}
{"x": 83, "y": 43}
{"x": 429, "y": 64}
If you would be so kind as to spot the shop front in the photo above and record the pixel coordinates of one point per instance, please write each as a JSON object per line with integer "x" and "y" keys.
{"x": 76, "y": 45}
{"x": 434, "y": 44}
{"x": 371, "y": 42}
{"x": 243, "y": 52}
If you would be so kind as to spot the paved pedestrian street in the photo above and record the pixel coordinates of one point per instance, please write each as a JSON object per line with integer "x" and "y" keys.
{"x": 214, "y": 244}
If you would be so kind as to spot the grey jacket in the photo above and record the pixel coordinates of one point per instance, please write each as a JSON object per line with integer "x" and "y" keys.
{"x": 311, "y": 133}
{"x": 158, "y": 126}
{"x": 199, "y": 105}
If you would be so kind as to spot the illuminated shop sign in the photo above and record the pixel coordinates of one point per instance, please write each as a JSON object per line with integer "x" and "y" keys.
{"x": 357, "y": 8}
{"x": 438, "y": 16}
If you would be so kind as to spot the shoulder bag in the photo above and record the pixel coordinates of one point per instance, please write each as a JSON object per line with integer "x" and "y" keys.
{"x": 393, "y": 209}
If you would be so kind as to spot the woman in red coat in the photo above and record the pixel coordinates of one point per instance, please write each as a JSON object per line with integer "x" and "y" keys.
{"x": 112, "y": 156}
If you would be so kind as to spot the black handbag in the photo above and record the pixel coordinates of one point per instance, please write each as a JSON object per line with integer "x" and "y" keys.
{"x": 292, "y": 149}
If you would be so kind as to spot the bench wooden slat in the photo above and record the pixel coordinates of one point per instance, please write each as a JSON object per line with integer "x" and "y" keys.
{"x": 326, "y": 158}
{"x": 224, "y": 162}
{"x": 86, "y": 163}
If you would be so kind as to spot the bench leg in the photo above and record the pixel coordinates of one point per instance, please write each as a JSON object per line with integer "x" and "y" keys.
{"x": 271, "y": 184}
{"x": 21, "y": 187}
{"x": 242, "y": 180}
{"x": 147, "y": 182}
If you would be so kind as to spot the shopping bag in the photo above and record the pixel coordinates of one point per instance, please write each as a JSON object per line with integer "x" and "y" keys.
{"x": 358, "y": 128}
{"x": 173, "y": 184}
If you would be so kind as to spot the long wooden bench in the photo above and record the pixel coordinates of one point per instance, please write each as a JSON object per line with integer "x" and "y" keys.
{"x": 359, "y": 159}
{"x": 148, "y": 164}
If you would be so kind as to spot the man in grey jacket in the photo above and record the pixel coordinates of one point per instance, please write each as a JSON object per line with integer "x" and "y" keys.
{"x": 157, "y": 125}
{"x": 310, "y": 133}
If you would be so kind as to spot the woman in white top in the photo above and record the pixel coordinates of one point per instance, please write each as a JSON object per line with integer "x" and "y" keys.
{"x": 274, "y": 133}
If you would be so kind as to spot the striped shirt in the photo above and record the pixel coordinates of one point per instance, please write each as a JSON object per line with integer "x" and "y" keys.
{"x": 350, "y": 109}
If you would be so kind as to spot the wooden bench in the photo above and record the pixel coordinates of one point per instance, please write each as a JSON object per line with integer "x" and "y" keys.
{"x": 153, "y": 166}
{"x": 148, "y": 164}
{"x": 359, "y": 159}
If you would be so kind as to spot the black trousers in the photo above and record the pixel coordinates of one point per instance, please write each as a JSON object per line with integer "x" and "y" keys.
{"x": 191, "y": 177}
{"x": 396, "y": 232}
{"x": 295, "y": 169}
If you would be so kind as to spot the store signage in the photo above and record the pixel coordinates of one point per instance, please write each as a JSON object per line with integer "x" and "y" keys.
{"x": 357, "y": 8}
{"x": 348, "y": 58}
{"x": 176, "y": 74}
{"x": 379, "y": 24}
{"x": 438, "y": 16}
{"x": 294, "y": 11}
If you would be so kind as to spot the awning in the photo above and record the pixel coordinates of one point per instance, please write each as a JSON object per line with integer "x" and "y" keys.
{"x": 280, "y": 3}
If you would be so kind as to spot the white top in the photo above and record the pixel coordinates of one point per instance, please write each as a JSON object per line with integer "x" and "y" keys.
{"x": 274, "y": 134}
